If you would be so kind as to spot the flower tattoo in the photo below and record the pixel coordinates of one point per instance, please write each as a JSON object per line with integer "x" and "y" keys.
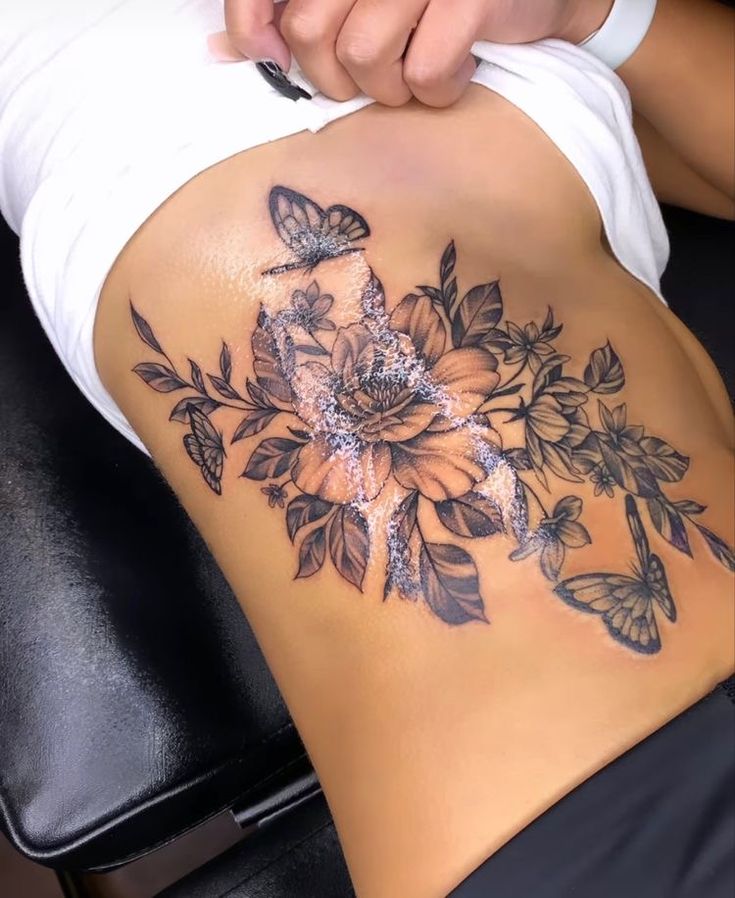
{"x": 554, "y": 535}
{"x": 392, "y": 419}
{"x": 530, "y": 344}
{"x": 276, "y": 494}
{"x": 603, "y": 480}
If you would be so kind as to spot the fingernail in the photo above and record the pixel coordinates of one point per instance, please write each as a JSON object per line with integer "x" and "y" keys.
{"x": 276, "y": 77}
{"x": 271, "y": 66}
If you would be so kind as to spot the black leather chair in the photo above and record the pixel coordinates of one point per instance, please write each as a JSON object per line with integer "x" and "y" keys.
{"x": 134, "y": 702}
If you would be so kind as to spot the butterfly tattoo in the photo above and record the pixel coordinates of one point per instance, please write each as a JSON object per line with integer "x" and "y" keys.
{"x": 311, "y": 233}
{"x": 626, "y": 604}
{"x": 205, "y": 448}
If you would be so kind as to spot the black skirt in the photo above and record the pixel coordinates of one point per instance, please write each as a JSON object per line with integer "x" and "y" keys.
{"x": 659, "y": 822}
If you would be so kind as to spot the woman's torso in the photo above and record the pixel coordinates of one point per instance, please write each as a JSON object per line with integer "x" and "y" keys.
{"x": 439, "y": 728}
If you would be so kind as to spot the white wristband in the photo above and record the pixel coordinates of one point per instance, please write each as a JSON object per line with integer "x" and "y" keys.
{"x": 623, "y": 31}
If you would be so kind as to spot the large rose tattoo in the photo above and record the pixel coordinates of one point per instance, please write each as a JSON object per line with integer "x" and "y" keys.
{"x": 392, "y": 401}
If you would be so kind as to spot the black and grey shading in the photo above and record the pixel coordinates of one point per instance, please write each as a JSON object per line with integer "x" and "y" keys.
{"x": 626, "y": 604}
{"x": 406, "y": 403}
{"x": 311, "y": 233}
{"x": 205, "y": 448}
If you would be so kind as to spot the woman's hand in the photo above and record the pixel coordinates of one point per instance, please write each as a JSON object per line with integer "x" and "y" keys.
{"x": 395, "y": 49}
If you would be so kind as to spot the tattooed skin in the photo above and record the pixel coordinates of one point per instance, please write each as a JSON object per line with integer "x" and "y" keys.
{"x": 390, "y": 418}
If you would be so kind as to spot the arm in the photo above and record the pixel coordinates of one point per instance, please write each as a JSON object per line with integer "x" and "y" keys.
{"x": 682, "y": 82}
{"x": 683, "y": 75}
{"x": 674, "y": 180}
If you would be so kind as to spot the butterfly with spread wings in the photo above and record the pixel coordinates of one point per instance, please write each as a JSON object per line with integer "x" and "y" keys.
{"x": 205, "y": 448}
{"x": 626, "y": 604}
{"x": 311, "y": 233}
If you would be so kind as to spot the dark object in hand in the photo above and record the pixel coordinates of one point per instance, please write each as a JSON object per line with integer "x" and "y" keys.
{"x": 276, "y": 77}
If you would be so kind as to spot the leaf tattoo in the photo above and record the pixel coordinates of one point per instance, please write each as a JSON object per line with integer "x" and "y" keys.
{"x": 604, "y": 373}
{"x": 719, "y": 548}
{"x": 471, "y": 515}
{"x": 159, "y": 377}
{"x": 304, "y": 510}
{"x": 145, "y": 331}
{"x": 474, "y": 320}
{"x": 273, "y": 457}
{"x": 204, "y": 404}
{"x": 450, "y": 583}
{"x": 225, "y": 363}
{"x": 349, "y": 544}
{"x": 223, "y": 387}
{"x": 253, "y": 423}
{"x": 196, "y": 377}
{"x": 312, "y": 554}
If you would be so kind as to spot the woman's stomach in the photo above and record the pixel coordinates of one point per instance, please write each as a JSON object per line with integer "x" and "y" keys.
{"x": 470, "y": 480}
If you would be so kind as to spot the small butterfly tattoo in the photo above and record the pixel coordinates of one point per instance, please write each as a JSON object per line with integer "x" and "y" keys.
{"x": 626, "y": 604}
{"x": 311, "y": 233}
{"x": 205, "y": 448}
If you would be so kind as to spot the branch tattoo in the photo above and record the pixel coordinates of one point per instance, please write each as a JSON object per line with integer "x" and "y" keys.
{"x": 393, "y": 416}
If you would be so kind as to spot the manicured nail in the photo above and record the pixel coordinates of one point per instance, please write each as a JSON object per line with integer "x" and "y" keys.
{"x": 276, "y": 77}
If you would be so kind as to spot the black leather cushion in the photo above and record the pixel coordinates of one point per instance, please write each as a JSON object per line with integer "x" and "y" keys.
{"x": 699, "y": 283}
{"x": 296, "y": 857}
{"x": 134, "y": 701}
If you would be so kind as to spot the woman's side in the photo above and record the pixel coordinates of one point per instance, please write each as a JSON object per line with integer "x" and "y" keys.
{"x": 469, "y": 479}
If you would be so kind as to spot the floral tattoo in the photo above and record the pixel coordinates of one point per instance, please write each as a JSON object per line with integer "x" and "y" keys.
{"x": 391, "y": 420}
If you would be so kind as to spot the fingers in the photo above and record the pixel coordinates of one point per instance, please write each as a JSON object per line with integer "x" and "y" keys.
{"x": 345, "y": 46}
{"x": 438, "y": 66}
{"x": 310, "y": 28}
{"x": 371, "y": 45}
{"x": 251, "y": 28}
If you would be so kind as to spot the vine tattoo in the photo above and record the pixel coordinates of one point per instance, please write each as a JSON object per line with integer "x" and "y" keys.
{"x": 392, "y": 421}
